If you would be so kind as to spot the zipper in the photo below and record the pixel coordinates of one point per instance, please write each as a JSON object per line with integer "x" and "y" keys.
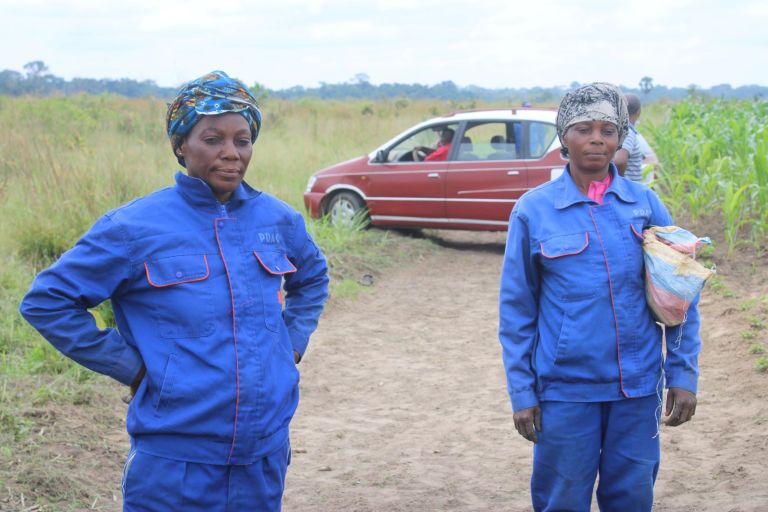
{"x": 127, "y": 467}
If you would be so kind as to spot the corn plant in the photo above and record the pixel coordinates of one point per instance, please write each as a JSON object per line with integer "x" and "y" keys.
{"x": 714, "y": 158}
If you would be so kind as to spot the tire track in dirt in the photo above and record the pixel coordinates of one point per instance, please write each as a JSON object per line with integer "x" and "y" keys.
{"x": 404, "y": 403}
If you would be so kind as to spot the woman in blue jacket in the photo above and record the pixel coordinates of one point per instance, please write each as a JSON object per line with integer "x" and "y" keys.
{"x": 581, "y": 350}
{"x": 216, "y": 288}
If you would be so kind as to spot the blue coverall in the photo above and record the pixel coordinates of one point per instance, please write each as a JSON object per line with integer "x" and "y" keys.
{"x": 579, "y": 340}
{"x": 196, "y": 289}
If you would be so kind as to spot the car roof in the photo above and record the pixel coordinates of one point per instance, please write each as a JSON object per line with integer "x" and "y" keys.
{"x": 520, "y": 114}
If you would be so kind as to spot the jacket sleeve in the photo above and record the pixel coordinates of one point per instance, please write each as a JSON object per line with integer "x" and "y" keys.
{"x": 518, "y": 313}
{"x": 306, "y": 289}
{"x": 681, "y": 365}
{"x": 83, "y": 277}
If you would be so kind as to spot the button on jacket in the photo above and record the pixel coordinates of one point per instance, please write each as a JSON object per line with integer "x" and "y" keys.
{"x": 574, "y": 323}
{"x": 197, "y": 293}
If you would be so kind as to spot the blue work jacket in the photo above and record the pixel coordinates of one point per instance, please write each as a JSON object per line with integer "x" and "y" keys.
{"x": 197, "y": 292}
{"x": 574, "y": 324}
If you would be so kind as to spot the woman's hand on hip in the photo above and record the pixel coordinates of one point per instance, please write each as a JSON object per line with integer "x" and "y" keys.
{"x": 135, "y": 384}
{"x": 528, "y": 422}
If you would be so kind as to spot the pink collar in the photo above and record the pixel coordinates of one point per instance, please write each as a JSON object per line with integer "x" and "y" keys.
{"x": 598, "y": 188}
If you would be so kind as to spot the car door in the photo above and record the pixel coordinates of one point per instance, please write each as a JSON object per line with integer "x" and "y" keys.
{"x": 402, "y": 190}
{"x": 487, "y": 175}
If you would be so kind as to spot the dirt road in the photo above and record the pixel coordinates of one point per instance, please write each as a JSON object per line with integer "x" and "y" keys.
{"x": 404, "y": 405}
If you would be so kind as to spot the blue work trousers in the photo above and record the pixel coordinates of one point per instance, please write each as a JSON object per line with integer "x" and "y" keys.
{"x": 158, "y": 484}
{"x": 617, "y": 440}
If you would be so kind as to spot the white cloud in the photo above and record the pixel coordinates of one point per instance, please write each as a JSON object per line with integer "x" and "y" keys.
{"x": 491, "y": 43}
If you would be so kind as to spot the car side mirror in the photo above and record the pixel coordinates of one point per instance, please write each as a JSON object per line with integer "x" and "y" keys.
{"x": 381, "y": 156}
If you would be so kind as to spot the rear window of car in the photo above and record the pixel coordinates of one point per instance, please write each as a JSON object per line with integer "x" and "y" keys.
{"x": 492, "y": 140}
{"x": 540, "y": 138}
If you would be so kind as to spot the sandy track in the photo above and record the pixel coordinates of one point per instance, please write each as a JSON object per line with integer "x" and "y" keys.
{"x": 404, "y": 405}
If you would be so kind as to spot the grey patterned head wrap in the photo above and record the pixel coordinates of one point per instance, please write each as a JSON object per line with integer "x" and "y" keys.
{"x": 598, "y": 101}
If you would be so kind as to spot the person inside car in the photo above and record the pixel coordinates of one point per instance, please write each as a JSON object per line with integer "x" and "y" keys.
{"x": 438, "y": 153}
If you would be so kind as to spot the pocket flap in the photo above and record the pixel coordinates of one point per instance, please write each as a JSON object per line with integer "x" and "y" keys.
{"x": 176, "y": 270}
{"x": 565, "y": 245}
{"x": 275, "y": 263}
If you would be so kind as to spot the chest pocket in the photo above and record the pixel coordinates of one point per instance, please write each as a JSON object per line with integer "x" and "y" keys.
{"x": 273, "y": 267}
{"x": 181, "y": 300}
{"x": 571, "y": 266}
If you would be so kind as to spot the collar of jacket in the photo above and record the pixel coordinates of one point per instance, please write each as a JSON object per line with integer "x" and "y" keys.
{"x": 568, "y": 193}
{"x": 198, "y": 193}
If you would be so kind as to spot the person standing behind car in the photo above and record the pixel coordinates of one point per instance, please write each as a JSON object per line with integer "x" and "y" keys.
{"x": 207, "y": 335}
{"x": 581, "y": 350}
{"x": 629, "y": 158}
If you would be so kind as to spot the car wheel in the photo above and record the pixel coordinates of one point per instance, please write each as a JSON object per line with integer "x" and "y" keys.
{"x": 347, "y": 209}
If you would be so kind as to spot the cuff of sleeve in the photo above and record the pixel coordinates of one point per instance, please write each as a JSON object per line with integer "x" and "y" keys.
{"x": 684, "y": 380}
{"x": 127, "y": 367}
{"x": 524, "y": 400}
{"x": 299, "y": 342}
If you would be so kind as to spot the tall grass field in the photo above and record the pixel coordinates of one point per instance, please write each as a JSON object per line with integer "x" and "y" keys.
{"x": 66, "y": 161}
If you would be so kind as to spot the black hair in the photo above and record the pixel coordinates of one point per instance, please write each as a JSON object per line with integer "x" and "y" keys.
{"x": 633, "y": 103}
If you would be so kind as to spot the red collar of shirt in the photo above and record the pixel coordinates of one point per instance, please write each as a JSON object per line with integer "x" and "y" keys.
{"x": 598, "y": 188}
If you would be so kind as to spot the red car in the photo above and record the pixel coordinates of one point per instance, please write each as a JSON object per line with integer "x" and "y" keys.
{"x": 462, "y": 171}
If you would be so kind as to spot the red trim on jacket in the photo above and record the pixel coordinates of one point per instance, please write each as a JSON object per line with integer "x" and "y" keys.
{"x": 207, "y": 273}
{"x": 613, "y": 303}
{"x": 586, "y": 244}
{"x": 234, "y": 339}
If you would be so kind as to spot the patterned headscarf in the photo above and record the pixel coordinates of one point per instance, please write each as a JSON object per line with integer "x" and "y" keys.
{"x": 212, "y": 94}
{"x": 598, "y": 101}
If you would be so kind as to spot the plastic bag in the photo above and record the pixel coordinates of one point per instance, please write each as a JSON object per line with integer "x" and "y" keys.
{"x": 673, "y": 277}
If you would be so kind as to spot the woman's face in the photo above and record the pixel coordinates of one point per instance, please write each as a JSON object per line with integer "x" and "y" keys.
{"x": 591, "y": 145}
{"x": 218, "y": 150}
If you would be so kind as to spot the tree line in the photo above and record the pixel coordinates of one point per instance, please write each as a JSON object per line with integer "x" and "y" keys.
{"x": 36, "y": 80}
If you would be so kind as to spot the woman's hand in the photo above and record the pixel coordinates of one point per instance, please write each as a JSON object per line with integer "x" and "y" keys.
{"x": 528, "y": 422}
{"x": 135, "y": 384}
{"x": 681, "y": 406}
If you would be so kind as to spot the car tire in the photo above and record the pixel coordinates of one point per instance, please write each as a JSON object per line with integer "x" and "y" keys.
{"x": 347, "y": 209}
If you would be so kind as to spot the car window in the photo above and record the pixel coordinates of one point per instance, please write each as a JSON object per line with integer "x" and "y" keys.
{"x": 493, "y": 140}
{"x": 403, "y": 151}
{"x": 540, "y": 137}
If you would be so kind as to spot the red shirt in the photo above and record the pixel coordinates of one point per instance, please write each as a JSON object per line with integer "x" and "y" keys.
{"x": 598, "y": 188}
{"x": 439, "y": 154}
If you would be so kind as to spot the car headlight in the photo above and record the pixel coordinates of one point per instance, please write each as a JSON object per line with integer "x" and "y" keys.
{"x": 310, "y": 184}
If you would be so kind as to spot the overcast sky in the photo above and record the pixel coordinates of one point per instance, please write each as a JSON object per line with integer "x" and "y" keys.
{"x": 490, "y": 43}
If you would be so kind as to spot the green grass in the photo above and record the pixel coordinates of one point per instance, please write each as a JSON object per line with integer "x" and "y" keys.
{"x": 756, "y": 323}
{"x": 748, "y": 304}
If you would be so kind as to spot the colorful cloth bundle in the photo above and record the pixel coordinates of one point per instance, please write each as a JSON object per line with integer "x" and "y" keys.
{"x": 673, "y": 277}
